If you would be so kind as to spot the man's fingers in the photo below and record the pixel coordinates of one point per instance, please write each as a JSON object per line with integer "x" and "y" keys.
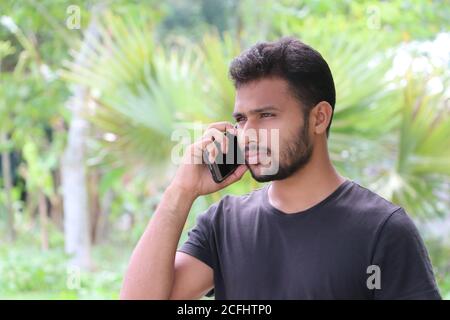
{"x": 212, "y": 152}
{"x": 215, "y": 132}
{"x": 197, "y": 151}
{"x": 221, "y": 126}
{"x": 217, "y": 135}
{"x": 211, "y": 148}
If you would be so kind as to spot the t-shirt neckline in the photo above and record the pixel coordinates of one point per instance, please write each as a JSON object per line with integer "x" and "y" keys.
{"x": 338, "y": 191}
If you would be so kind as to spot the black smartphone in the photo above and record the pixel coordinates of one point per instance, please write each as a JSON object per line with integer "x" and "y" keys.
{"x": 225, "y": 163}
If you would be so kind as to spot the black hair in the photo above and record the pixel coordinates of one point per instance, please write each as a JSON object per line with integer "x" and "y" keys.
{"x": 306, "y": 71}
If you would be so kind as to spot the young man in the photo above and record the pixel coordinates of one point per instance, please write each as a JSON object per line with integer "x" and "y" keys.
{"x": 309, "y": 234}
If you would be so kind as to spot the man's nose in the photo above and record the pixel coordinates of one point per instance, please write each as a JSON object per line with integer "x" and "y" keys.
{"x": 249, "y": 134}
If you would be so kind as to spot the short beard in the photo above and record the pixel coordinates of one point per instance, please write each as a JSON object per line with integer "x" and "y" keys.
{"x": 295, "y": 157}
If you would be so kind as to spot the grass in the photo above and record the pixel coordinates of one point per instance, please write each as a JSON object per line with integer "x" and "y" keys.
{"x": 30, "y": 273}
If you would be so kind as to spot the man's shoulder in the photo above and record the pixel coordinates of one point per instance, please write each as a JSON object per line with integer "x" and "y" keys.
{"x": 356, "y": 201}
{"x": 366, "y": 206}
{"x": 366, "y": 200}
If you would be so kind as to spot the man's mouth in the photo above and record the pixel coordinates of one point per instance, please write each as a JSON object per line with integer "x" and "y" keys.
{"x": 251, "y": 158}
{"x": 255, "y": 157}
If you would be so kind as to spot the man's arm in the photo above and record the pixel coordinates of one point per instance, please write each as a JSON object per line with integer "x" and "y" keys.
{"x": 193, "y": 278}
{"x": 156, "y": 270}
{"x": 400, "y": 253}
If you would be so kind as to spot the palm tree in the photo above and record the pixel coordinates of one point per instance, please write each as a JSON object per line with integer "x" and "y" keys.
{"x": 387, "y": 136}
{"x": 138, "y": 91}
{"x": 419, "y": 152}
{"x": 142, "y": 90}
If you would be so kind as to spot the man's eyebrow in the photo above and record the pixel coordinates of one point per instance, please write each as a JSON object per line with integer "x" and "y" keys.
{"x": 257, "y": 110}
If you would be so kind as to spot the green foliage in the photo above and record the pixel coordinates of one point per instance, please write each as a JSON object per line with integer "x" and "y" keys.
{"x": 151, "y": 66}
{"x": 132, "y": 83}
{"x": 27, "y": 273}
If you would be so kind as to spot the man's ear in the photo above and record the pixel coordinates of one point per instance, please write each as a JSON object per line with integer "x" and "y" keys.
{"x": 320, "y": 117}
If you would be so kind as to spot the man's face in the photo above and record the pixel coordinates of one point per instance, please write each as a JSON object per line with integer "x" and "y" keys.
{"x": 265, "y": 105}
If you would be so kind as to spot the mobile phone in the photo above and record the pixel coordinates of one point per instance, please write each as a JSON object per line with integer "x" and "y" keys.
{"x": 225, "y": 163}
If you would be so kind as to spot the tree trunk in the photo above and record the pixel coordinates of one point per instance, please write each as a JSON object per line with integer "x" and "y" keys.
{"x": 7, "y": 182}
{"x": 94, "y": 198}
{"x": 76, "y": 210}
{"x": 103, "y": 225}
{"x": 74, "y": 180}
{"x": 43, "y": 220}
{"x": 56, "y": 209}
{"x": 31, "y": 207}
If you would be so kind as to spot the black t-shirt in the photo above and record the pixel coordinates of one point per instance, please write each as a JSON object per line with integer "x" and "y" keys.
{"x": 352, "y": 245}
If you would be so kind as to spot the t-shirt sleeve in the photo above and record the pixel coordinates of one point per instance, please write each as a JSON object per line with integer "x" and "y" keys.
{"x": 405, "y": 268}
{"x": 199, "y": 242}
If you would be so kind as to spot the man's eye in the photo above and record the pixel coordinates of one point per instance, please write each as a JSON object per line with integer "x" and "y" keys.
{"x": 266, "y": 115}
{"x": 240, "y": 119}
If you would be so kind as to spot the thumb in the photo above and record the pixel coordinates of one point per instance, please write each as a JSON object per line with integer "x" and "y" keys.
{"x": 235, "y": 176}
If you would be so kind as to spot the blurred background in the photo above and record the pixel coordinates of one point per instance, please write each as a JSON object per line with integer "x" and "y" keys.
{"x": 91, "y": 91}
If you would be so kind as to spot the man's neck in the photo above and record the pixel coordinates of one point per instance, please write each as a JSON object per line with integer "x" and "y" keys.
{"x": 306, "y": 187}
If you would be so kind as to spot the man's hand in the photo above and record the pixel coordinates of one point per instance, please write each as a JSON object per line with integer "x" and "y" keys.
{"x": 156, "y": 271}
{"x": 193, "y": 176}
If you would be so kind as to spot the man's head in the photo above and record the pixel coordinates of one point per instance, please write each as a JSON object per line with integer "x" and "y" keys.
{"x": 284, "y": 85}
